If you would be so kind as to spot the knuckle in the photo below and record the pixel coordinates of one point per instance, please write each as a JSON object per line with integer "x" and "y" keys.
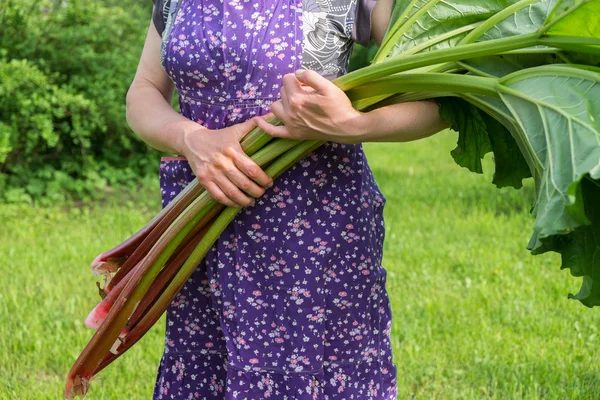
{"x": 231, "y": 193}
{"x": 245, "y": 185}
{"x": 295, "y": 101}
{"x": 220, "y": 162}
{"x": 230, "y": 171}
{"x": 253, "y": 171}
{"x": 293, "y": 116}
{"x": 218, "y": 197}
{"x": 230, "y": 151}
{"x": 288, "y": 77}
{"x": 202, "y": 176}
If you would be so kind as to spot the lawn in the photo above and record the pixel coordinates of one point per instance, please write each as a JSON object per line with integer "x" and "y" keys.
{"x": 475, "y": 315}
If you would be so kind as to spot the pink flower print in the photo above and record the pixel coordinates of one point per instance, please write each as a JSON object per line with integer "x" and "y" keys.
{"x": 343, "y": 294}
{"x": 257, "y": 293}
{"x": 182, "y": 37}
{"x": 254, "y": 361}
{"x": 209, "y": 344}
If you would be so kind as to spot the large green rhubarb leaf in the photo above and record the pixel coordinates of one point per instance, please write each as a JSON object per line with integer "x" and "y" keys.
{"x": 437, "y": 23}
{"x": 480, "y": 134}
{"x": 557, "y": 109}
{"x": 580, "y": 249}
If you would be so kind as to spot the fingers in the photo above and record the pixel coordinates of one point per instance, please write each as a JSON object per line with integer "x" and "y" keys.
{"x": 234, "y": 194}
{"x": 279, "y": 111}
{"x": 291, "y": 84}
{"x": 314, "y": 80}
{"x": 242, "y": 129}
{"x": 244, "y": 183}
{"x": 249, "y": 168}
{"x": 216, "y": 193}
{"x": 274, "y": 130}
{"x": 284, "y": 100}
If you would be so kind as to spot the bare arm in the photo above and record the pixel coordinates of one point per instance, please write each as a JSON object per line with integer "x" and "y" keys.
{"x": 216, "y": 157}
{"x": 314, "y": 108}
{"x": 400, "y": 122}
{"x": 149, "y": 111}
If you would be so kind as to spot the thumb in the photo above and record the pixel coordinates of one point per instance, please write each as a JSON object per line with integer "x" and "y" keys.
{"x": 313, "y": 79}
{"x": 245, "y": 127}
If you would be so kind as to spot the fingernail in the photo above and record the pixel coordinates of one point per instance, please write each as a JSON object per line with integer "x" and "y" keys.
{"x": 299, "y": 71}
{"x": 270, "y": 185}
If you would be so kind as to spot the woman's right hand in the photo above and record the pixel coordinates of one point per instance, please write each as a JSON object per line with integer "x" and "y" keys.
{"x": 221, "y": 166}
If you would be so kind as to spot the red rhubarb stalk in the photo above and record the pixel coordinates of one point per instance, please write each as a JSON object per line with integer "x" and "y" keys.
{"x": 158, "y": 308}
{"x": 169, "y": 271}
{"x": 251, "y": 143}
{"x": 107, "y": 334}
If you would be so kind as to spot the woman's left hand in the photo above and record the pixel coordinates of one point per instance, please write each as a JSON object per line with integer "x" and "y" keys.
{"x": 313, "y": 108}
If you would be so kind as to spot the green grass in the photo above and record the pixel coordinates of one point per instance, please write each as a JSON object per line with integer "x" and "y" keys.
{"x": 475, "y": 315}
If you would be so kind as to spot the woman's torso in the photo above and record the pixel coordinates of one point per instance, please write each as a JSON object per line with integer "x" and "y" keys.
{"x": 291, "y": 298}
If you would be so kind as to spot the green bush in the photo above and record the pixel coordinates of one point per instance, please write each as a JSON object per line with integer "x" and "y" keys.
{"x": 65, "y": 67}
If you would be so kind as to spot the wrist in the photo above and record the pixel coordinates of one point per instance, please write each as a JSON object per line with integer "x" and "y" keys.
{"x": 184, "y": 130}
{"x": 360, "y": 127}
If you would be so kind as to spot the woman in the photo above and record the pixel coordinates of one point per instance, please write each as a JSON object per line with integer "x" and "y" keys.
{"x": 290, "y": 303}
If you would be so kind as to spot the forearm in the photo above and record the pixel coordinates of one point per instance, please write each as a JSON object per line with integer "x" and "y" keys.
{"x": 153, "y": 119}
{"x": 402, "y": 122}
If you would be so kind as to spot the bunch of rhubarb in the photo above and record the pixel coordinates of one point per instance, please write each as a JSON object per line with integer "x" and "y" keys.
{"x": 516, "y": 78}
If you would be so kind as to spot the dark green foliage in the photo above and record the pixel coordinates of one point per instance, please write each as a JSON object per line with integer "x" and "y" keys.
{"x": 362, "y": 56}
{"x": 65, "y": 68}
{"x": 478, "y": 135}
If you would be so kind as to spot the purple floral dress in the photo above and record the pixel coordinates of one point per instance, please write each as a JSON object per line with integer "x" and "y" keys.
{"x": 290, "y": 303}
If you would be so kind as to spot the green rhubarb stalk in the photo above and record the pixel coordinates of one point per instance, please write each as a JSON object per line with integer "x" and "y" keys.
{"x": 400, "y": 28}
{"x": 399, "y": 63}
{"x": 167, "y": 274}
{"x": 282, "y": 164}
{"x": 441, "y": 38}
{"x": 140, "y": 243}
{"x": 495, "y": 19}
{"x": 107, "y": 334}
{"x": 431, "y": 82}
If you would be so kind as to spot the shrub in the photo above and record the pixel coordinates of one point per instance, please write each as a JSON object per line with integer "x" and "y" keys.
{"x": 65, "y": 67}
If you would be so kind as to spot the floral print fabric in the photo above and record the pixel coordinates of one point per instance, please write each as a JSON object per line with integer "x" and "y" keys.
{"x": 290, "y": 302}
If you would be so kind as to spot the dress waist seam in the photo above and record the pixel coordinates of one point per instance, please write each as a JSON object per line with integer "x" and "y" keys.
{"x": 251, "y": 102}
